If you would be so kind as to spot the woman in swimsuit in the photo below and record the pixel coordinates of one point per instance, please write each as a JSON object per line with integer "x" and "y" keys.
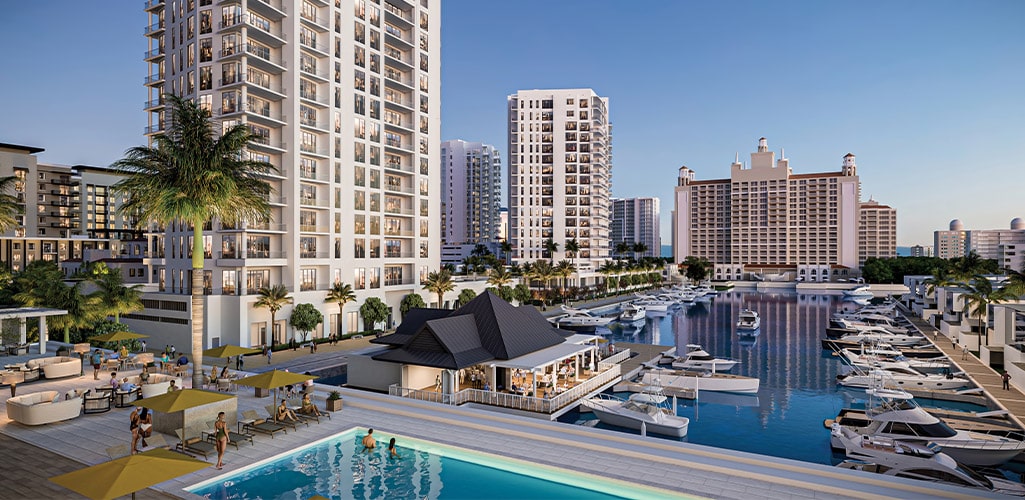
{"x": 222, "y": 439}
{"x": 145, "y": 426}
{"x": 134, "y": 427}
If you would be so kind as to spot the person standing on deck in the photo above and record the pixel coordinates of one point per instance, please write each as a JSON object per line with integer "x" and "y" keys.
{"x": 1006, "y": 377}
{"x": 964, "y": 352}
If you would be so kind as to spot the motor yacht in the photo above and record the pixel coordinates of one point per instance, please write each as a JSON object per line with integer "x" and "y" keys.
{"x": 652, "y": 303}
{"x": 868, "y": 358}
{"x": 853, "y": 321}
{"x": 581, "y": 317}
{"x": 700, "y": 380}
{"x": 872, "y": 334}
{"x": 748, "y": 322}
{"x": 699, "y": 359}
{"x": 632, "y": 313}
{"x": 901, "y": 378}
{"x": 859, "y": 291}
{"x": 904, "y": 459}
{"x": 647, "y": 410}
{"x": 899, "y": 417}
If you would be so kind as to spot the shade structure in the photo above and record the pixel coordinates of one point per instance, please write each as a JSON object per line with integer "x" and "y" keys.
{"x": 127, "y": 475}
{"x": 274, "y": 379}
{"x": 227, "y": 351}
{"x": 182, "y": 400}
{"x": 118, "y": 336}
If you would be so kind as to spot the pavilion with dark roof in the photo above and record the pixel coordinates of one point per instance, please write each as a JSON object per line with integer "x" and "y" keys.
{"x": 487, "y": 352}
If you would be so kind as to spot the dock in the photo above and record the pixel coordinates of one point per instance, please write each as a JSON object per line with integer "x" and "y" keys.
{"x": 641, "y": 354}
{"x": 1012, "y": 400}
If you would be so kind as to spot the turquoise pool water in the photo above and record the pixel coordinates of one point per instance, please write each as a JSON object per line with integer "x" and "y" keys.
{"x": 336, "y": 467}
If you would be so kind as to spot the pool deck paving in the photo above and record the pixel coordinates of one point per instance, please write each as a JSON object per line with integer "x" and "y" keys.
{"x": 672, "y": 467}
{"x": 983, "y": 376}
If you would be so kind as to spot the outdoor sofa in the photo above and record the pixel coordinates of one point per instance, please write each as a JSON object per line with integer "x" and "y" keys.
{"x": 43, "y": 407}
{"x": 57, "y": 366}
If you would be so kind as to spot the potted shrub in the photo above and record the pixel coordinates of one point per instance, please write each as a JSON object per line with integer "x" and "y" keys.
{"x": 334, "y": 401}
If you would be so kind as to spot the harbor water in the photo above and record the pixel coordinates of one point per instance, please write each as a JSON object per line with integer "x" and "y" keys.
{"x": 798, "y": 378}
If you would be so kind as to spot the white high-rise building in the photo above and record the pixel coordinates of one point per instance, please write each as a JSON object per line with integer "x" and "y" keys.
{"x": 560, "y": 169}
{"x": 344, "y": 99}
{"x": 471, "y": 192}
{"x": 636, "y": 220}
{"x": 1002, "y": 245}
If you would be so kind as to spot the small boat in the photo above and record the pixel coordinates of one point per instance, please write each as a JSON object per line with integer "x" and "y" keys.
{"x": 581, "y": 318}
{"x": 859, "y": 291}
{"x": 899, "y": 417}
{"x": 698, "y": 359}
{"x": 632, "y": 313}
{"x": 748, "y": 322}
{"x": 701, "y": 380}
{"x": 640, "y": 411}
{"x": 903, "y": 459}
{"x": 901, "y": 378}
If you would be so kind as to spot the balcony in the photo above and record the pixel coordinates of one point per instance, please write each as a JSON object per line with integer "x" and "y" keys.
{"x": 314, "y": 255}
{"x": 313, "y": 98}
{"x": 399, "y": 211}
{"x": 314, "y": 21}
{"x": 154, "y": 29}
{"x": 153, "y": 55}
{"x": 393, "y": 13}
{"x": 313, "y": 202}
{"x": 312, "y": 150}
{"x": 151, "y": 105}
{"x": 149, "y": 5}
{"x": 393, "y": 55}
{"x": 153, "y": 129}
{"x": 273, "y": 10}
{"x": 154, "y": 79}
{"x": 398, "y": 232}
{"x": 391, "y": 165}
{"x": 394, "y": 144}
{"x": 262, "y": 57}
{"x": 393, "y": 34}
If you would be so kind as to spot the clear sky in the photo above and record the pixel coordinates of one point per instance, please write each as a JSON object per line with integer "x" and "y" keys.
{"x": 930, "y": 95}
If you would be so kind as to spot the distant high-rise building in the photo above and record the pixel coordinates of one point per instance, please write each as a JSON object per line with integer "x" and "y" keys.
{"x": 921, "y": 251}
{"x": 503, "y": 224}
{"x": 560, "y": 162}
{"x": 877, "y": 231}
{"x": 1002, "y": 245}
{"x": 765, "y": 219}
{"x": 346, "y": 103}
{"x": 471, "y": 192}
{"x": 636, "y": 220}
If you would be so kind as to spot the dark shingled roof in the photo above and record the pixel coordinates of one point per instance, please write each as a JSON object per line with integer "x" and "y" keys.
{"x": 485, "y": 328}
{"x": 450, "y": 343}
{"x": 411, "y": 323}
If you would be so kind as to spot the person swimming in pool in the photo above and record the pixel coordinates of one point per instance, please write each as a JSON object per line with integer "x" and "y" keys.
{"x": 369, "y": 443}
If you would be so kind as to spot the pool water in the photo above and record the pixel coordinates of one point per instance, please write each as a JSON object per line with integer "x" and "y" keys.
{"x": 336, "y": 467}
{"x": 798, "y": 378}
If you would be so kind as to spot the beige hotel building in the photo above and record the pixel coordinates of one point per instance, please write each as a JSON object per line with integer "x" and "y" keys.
{"x": 766, "y": 222}
{"x": 344, "y": 98}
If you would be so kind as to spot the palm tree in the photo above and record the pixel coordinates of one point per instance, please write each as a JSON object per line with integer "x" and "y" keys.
{"x": 968, "y": 266}
{"x": 1015, "y": 282}
{"x": 9, "y": 206}
{"x": 439, "y": 282}
{"x": 551, "y": 247}
{"x": 572, "y": 248}
{"x": 565, "y": 269}
{"x": 543, "y": 271}
{"x": 192, "y": 176}
{"x": 499, "y": 277}
{"x": 623, "y": 247}
{"x": 83, "y": 310}
{"x": 638, "y": 249}
{"x": 506, "y": 249}
{"x": 341, "y": 294}
{"x": 273, "y": 298}
{"x": 939, "y": 279}
{"x": 116, "y": 297}
{"x": 979, "y": 294}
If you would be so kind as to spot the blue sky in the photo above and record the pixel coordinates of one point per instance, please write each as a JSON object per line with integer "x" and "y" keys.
{"x": 927, "y": 94}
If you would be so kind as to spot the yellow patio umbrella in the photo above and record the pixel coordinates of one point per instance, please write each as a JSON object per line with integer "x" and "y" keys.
{"x": 118, "y": 336}
{"x": 274, "y": 379}
{"x": 228, "y": 351}
{"x": 182, "y": 400}
{"x": 129, "y": 474}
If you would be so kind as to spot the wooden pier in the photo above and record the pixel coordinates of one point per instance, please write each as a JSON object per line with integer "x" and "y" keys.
{"x": 641, "y": 354}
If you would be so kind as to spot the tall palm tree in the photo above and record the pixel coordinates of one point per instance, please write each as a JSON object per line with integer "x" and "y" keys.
{"x": 506, "y": 249}
{"x": 9, "y": 206}
{"x": 1015, "y": 282}
{"x": 572, "y": 248}
{"x": 939, "y": 279}
{"x": 551, "y": 247}
{"x": 439, "y": 282}
{"x": 273, "y": 298}
{"x": 964, "y": 268}
{"x": 341, "y": 294}
{"x": 499, "y": 277}
{"x": 193, "y": 176}
{"x": 565, "y": 269}
{"x": 83, "y": 310}
{"x": 543, "y": 271}
{"x": 980, "y": 293}
{"x": 638, "y": 249}
{"x": 116, "y": 297}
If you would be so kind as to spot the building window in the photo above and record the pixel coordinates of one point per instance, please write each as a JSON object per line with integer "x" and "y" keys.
{"x": 308, "y": 279}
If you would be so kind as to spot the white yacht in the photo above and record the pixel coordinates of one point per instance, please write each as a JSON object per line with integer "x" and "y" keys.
{"x": 647, "y": 409}
{"x": 876, "y": 335}
{"x": 699, "y": 359}
{"x": 901, "y": 378}
{"x": 869, "y": 358}
{"x": 701, "y": 380}
{"x": 859, "y": 291}
{"x": 902, "y": 459}
{"x": 748, "y": 322}
{"x": 899, "y": 417}
{"x": 581, "y": 317}
{"x": 653, "y": 303}
{"x": 632, "y": 313}
{"x": 867, "y": 320}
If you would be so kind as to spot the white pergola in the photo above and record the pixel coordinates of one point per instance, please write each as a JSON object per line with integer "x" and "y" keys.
{"x": 539, "y": 361}
{"x": 22, "y": 314}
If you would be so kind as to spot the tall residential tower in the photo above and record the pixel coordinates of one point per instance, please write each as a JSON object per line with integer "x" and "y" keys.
{"x": 471, "y": 192}
{"x": 560, "y": 169}
{"x": 344, "y": 99}
{"x": 636, "y": 220}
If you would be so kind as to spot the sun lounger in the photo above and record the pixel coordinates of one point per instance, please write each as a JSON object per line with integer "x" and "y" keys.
{"x": 234, "y": 438}
{"x": 118, "y": 451}
{"x": 157, "y": 441}
{"x": 273, "y": 411}
{"x": 257, "y": 424}
{"x": 306, "y": 417}
{"x": 194, "y": 445}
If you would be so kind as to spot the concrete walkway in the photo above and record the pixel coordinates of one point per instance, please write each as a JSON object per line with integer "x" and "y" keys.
{"x": 983, "y": 376}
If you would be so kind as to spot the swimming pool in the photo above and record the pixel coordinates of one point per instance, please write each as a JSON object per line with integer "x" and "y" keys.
{"x": 336, "y": 467}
